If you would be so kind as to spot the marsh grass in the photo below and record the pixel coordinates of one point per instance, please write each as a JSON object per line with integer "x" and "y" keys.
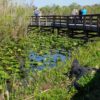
{"x": 15, "y": 44}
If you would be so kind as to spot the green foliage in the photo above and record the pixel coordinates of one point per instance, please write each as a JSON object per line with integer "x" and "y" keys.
{"x": 66, "y": 10}
{"x": 15, "y": 46}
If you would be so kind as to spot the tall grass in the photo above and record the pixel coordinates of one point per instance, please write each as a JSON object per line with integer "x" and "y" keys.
{"x": 15, "y": 44}
{"x": 14, "y": 20}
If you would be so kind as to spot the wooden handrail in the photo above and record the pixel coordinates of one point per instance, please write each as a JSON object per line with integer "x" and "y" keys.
{"x": 58, "y": 21}
{"x": 68, "y": 15}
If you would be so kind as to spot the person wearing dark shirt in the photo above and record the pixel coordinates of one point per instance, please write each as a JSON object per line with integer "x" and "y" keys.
{"x": 80, "y": 12}
{"x": 80, "y": 15}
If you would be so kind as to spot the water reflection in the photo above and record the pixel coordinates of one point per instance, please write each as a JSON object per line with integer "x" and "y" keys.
{"x": 49, "y": 60}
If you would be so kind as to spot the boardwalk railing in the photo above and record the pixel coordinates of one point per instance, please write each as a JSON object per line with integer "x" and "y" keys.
{"x": 90, "y": 23}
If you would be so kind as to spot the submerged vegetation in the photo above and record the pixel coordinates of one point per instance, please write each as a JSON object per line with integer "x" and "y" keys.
{"x": 16, "y": 75}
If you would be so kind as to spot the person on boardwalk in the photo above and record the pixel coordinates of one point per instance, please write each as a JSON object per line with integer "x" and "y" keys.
{"x": 84, "y": 11}
{"x": 74, "y": 13}
{"x": 80, "y": 15}
{"x": 36, "y": 14}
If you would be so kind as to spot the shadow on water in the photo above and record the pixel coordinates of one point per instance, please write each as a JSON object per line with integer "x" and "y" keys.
{"x": 90, "y": 91}
{"x": 39, "y": 62}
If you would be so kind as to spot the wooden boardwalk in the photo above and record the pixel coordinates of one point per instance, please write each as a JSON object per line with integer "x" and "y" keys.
{"x": 86, "y": 23}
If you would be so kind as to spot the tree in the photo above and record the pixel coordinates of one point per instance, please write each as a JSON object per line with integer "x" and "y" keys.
{"x": 74, "y": 5}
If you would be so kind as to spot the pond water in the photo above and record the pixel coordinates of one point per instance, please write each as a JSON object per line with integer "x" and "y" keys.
{"x": 39, "y": 62}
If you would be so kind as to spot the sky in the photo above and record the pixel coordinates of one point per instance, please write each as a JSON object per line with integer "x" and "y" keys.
{"x": 41, "y": 3}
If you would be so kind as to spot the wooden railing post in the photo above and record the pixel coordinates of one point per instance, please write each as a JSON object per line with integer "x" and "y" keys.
{"x": 84, "y": 22}
{"x": 54, "y": 21}
{"x": 31, "y": 19}
{"x": 39, "y": 21}
{"x": 68, "y": 21}
{"x": 60, "y": 21}
{"x": 98, "y": 24}
{"x": 75, "y": 19}
{"x": 90, "y": 18}
{"x": 84, "y": 27}
{"x": 46, "y": 20}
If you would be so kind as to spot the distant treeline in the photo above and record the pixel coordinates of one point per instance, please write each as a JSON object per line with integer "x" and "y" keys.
{"x": 66, "y": 10}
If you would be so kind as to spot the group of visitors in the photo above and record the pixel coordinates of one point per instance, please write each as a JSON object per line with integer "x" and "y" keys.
{"x": 83, "y": 11}
{"x": 38, "y": 13}
{"x": 80, "y": 12}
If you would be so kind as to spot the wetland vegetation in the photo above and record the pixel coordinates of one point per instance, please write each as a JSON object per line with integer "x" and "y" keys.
{"x": 16, "y": 74}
